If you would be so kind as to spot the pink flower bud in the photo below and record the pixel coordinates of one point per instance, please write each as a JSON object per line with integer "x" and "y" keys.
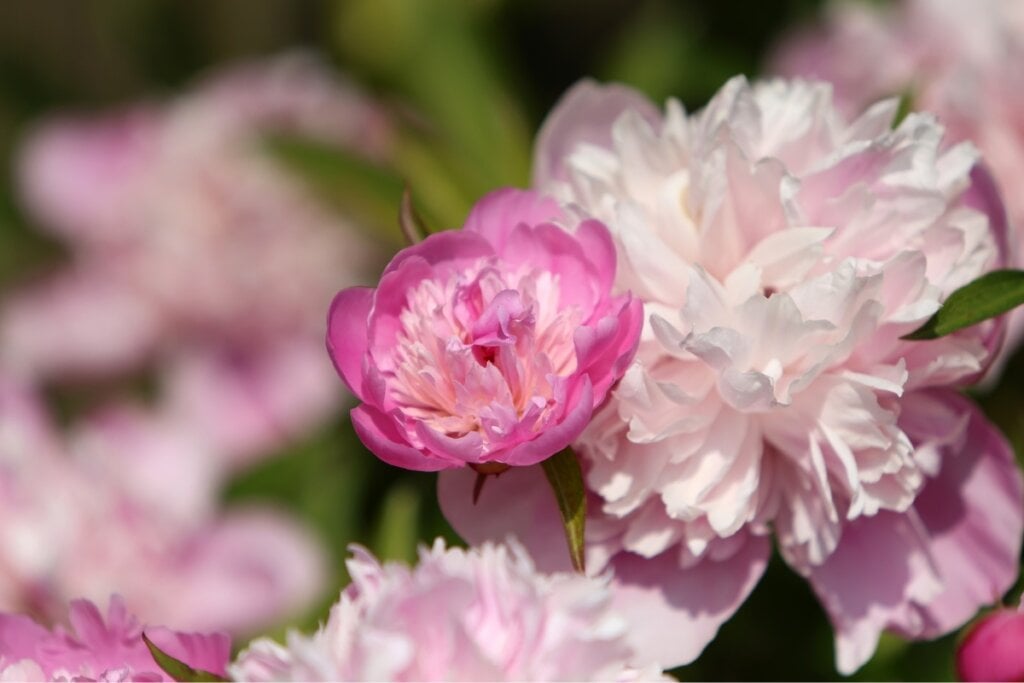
{"x": 492, "y": 344}
{"x": 994, "y": 649}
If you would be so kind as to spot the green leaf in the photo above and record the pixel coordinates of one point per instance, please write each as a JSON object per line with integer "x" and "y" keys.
{"x": 438, "y": 56}
{"x": 566, "y": 479}
{"x": 350, "y": 183}
{"x": 395, "y": 536}
{"x": 990, "y": 295}
{"x": 177, "y": 669}
{"x": 409, "y": 220}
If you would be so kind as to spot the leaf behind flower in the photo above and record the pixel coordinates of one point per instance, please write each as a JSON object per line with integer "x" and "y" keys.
{"x": 990, "y": 295}
{"x": 177, "y": 669}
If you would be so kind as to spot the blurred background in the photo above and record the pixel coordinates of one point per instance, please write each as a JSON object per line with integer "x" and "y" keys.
{"x": 150, "y": 315}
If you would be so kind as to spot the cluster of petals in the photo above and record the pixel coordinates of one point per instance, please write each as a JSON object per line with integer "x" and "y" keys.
{"x": 960, "y": 59}
{"x": 781, "y": 252}
{"x": 191, "y": 248}
{"x": 993, "y": 649}
{"x": 126, "y": 504}
{"x": 98, "y": 649}
{"x": 483, "y": 614}
{"x": 488, "y": 345}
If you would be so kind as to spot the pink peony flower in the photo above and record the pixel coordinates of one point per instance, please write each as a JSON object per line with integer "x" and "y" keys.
{"x": 176, "y": 220}
{"x": 483, "y": 614}
{"x": 781, "y": 253}
{"x": 994, "y": 648}
{"x": 960, "y": 59}
{"x": 95, "y": 649}
{"x": 164, "y": 545}
{"x": 489, "y": 345}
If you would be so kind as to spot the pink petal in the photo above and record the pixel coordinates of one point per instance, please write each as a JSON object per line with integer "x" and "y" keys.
{"x": 443, "y": 247}
{"x": 974, "y": 513}
{"x": 379, "y": 433}
{"x": 673, "y": 612}
{"x": 555, "y": 437}
{"x": 206, "y": 651}
{"x": 389, "y": 301}
{"x": 983, "y": 195}
{"x": 348, "y": 323}
{"x": 499, "y": 213}
{"x": 870, "y": 581}
{"x": 91, "y": 629}
{"x": 250, "y": 406}
{"x": 596, "y": 242}
{"x": 430, "y": 259}
{"x": 956, "y": 550}
{"x": 80, "y": 323}
{"x": 20, "y": 637}
{"x": 248, "y": 571}
{"x": 551, "y": 248}
{"x": 604, "y": 350}
{"x": 517, "y": 502}
{"x": 459, "y": 449}
{"x": 584, "y": 114}
{"x": 75, "y": 174}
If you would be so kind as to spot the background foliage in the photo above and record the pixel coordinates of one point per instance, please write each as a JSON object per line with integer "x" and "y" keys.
{"x": 471, "y": 81}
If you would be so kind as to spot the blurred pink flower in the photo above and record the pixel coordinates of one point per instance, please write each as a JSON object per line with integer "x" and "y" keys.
{"x": 243, "y": 403}
{"x": 189, "y": 241}
{"x": 95, "y": 649}
{"x": 781, "y": 253}
{"x": 994, "y": 648}
{"x": 963, "y": 60}
{"x": 492, "y": 344}
{"x": 127, "y": 504}
{"x": 482, "y": 614}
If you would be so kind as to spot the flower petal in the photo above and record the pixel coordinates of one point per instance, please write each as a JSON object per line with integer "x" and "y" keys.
{"x": 379, "y": 433}
{"x": 584, "y": 114}
{"x": 674, "y": 613}
{"x": 348, "y": 334}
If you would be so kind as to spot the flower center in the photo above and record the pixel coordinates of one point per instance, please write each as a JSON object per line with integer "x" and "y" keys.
{"x": 486, "y": 350}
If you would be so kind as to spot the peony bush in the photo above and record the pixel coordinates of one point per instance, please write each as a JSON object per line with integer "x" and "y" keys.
{"x": 760, "y": 342}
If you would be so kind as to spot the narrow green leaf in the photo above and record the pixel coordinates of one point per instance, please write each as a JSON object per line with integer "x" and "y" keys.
{"x": 566, "y": 479}
{"x": 409, "y": 220}
{"x": 990, "y": 295}
{"x": 395, "y": 536}
{"x": 177, "y": 669}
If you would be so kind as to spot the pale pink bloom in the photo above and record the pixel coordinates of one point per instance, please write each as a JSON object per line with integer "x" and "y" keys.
{"x": 98, "y": 649}
{"x": 127, "y": 504}
{"x": 963, "y": 60}
{"x": 483, "y": 614}
{"x": 994, "y": 648}
{"x": 781, "y": 253}
{"x": 76, "y": 174}
{"x": 241, "y": 403}
{"x": 295, "y": 93}
{"x": 488, "y": 345}
{"x": 189, "y": 241}
{"x": 855, "y": 51}
{"x": 113, "y": 328}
